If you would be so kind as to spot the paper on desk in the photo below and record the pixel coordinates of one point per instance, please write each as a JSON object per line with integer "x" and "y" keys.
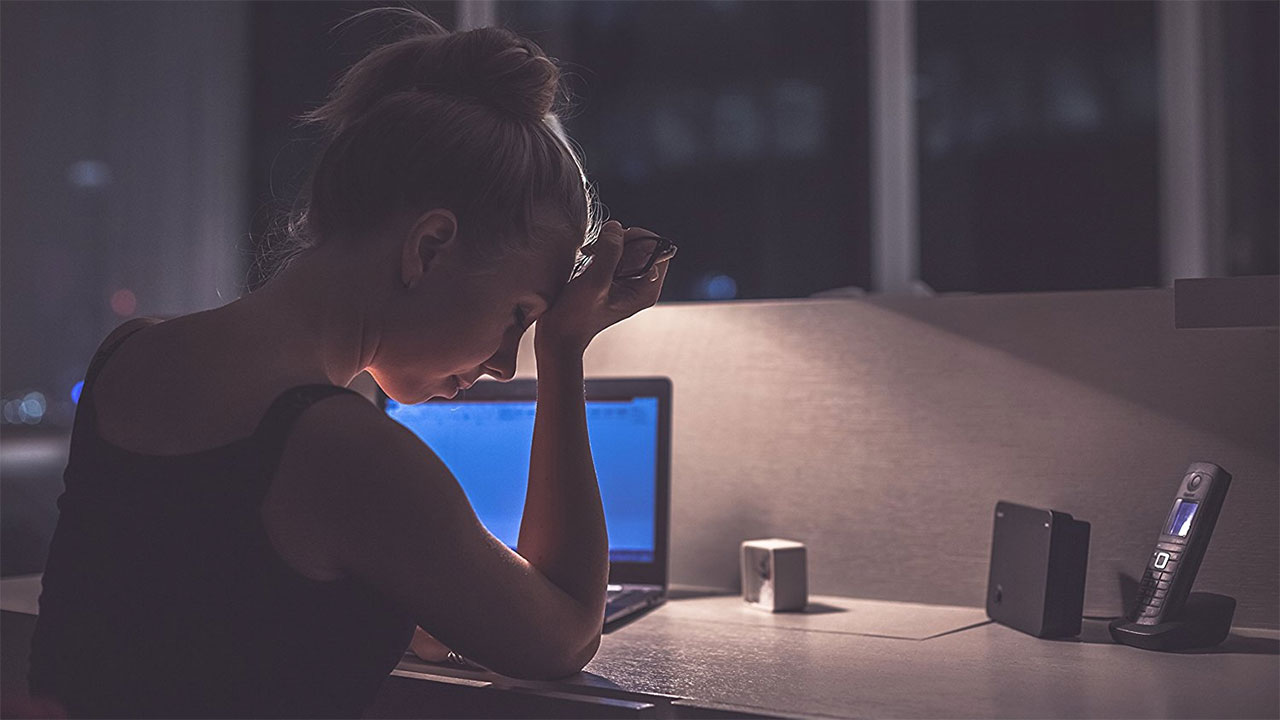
{"x": 21, "y": 594}
{"x": 825, "y": 613}
{"x": 829, "y": 613}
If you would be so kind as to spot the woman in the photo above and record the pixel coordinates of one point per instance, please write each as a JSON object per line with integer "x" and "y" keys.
{"x": 240, "y": 534}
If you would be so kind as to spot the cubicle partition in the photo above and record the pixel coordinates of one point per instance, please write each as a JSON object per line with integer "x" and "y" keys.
{"x": 882, "y": 431}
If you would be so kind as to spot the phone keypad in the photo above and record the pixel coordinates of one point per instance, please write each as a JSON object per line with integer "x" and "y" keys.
{"x": 1154, "y": 586}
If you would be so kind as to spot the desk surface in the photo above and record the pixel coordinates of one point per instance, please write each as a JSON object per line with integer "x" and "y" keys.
{"x": 857, "y": 658}
{"x": 712, "y": 652}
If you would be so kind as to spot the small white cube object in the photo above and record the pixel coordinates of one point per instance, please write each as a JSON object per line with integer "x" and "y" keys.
{"x": 774, "y": 576}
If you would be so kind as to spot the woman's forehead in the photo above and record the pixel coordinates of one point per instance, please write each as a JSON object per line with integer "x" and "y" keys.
{"x": 563, "y": 246}
{"x": 543, "y": 270}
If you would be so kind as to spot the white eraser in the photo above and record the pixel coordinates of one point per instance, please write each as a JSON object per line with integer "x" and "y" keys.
{"x": 774, "y": 576}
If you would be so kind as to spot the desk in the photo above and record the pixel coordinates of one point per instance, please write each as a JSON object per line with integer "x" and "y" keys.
{"x": 710, "y": 656}
{"x": 696, "y": 655}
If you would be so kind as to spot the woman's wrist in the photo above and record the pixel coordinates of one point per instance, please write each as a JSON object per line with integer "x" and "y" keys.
{"x": 556, "y": 346}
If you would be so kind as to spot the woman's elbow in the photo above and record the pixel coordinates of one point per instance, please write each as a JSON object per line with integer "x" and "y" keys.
{"x": 584, "y": 655}
{"x": 564, "y": 665}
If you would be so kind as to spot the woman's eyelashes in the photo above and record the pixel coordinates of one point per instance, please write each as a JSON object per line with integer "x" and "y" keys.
{"x": 521, "y": 316}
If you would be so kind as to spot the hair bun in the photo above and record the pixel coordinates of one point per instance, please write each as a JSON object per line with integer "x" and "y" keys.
{"x": 434, "y": 119}
{"x": 496, "y": 67}
{"x": 491, "y": 66}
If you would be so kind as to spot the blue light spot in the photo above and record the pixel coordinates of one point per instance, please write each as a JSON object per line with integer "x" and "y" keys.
{"x": 89, "y": 174}
{"x": 717, "y": 287}
{"x": 75, "y": 391}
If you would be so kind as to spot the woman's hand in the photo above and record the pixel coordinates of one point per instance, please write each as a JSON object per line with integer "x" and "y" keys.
{"x": 426, "y": 647}
{"x": 595, "y": 300}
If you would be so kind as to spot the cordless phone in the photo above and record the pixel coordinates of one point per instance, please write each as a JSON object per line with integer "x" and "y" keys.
{"x": 1180, "y": 547}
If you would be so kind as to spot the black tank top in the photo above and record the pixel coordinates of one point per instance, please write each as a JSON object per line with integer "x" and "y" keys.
{"x": 163, "y": 596}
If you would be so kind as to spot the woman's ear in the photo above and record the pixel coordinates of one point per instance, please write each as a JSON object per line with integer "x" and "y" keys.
{"x": 432, "y": 233}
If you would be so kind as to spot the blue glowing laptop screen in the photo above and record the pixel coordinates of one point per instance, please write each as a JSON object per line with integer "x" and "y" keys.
{"x": 486, "y": 444}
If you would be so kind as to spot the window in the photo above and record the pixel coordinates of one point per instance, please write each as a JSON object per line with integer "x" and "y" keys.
{"x": 738, "y": 129}
{"x": 1251, "y": 77}
{"x": 122, "y": 182}
{"x": 1038, "y": 145}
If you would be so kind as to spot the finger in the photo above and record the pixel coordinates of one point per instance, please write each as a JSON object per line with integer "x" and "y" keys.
{"x": 613, "y": 227}
{"x": 610, "y": 228}
{"x": 636, "y": 231}
{"x": 607, "y": 252}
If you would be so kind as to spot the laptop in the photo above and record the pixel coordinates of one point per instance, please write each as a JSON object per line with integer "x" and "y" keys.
{"x": 485, "y": 433}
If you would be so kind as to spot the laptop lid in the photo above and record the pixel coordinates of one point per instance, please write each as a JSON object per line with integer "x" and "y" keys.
{"x": 484, "y": 436}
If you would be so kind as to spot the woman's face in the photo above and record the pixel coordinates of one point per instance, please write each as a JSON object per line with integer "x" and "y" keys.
{"x": 460, "y": 317}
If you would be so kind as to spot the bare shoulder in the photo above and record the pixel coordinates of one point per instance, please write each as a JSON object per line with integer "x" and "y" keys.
{"x": 127, "y": 328}
{"x": 343, "y": 457}
{"x": 116, "y": 336}
{"x": 336, "y": 443}
{"x": 351, "y": 454}
{"x": 349, "y": 430}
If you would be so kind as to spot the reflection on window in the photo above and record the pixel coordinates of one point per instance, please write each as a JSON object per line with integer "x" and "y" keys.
{"x": 738, "y": 129}
{"x": 121, "y": 189}
{"x": 1038, "y": 145}
{"x": 1251, "y": 77}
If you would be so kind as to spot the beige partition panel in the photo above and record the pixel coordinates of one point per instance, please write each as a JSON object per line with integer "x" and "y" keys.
{"x": 881, "y": 432}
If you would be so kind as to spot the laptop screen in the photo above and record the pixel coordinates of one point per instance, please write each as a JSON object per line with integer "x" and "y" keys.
{"x": 485, "y": 441}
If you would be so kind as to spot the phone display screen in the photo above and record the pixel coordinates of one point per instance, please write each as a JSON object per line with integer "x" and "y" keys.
{"x": 1180, "y": 520}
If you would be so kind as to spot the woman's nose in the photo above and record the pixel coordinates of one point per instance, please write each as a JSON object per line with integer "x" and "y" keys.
{"x": 502, "y": 366}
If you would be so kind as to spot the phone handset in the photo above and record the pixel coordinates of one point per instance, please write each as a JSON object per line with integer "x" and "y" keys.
{"x": 1180, "y": 547}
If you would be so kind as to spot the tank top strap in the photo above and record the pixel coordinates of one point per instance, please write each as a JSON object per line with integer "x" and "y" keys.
{"x": 274, "y": 428}
{"x": 84, "y": 426}
{"x": 104, "y": 353}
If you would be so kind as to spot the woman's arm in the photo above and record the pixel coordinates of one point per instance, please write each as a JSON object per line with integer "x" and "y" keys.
{"x": 562, "y": 532}
{"x": 383, "y": 508}
{"x": 393, "y": 514}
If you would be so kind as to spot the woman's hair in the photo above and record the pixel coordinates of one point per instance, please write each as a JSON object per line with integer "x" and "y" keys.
{"x": 467, "y": 121}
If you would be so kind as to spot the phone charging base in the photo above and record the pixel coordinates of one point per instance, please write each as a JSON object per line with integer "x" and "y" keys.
{"x": 1205, "y": 621}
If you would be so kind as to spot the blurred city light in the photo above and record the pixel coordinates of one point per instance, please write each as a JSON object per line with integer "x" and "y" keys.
{"x": 124, "y": 302}
{"x": 89, "y": 174}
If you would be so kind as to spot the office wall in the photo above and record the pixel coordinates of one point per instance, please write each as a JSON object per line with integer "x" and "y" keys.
{"x": 883, "y": 431}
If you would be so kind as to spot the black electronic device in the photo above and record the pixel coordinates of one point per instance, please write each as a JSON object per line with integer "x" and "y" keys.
{"x": 1180, "y": 547}
{"x": 1038, "y": 563}
{"x": 1205, "y": 621}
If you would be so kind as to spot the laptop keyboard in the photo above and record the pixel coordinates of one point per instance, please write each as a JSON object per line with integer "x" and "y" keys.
{"x": 617, "y": 597}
